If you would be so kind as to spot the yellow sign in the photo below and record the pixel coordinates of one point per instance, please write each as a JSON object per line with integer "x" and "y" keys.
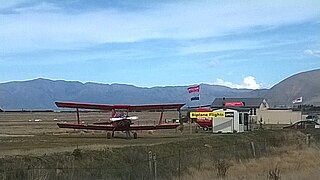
{"x": 207, "y": 114}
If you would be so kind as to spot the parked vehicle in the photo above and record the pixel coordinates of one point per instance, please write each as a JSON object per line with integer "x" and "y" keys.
{"x": 303, "y": 125}
{"x": 313, "y": 118}
{"x": 204, "y": 123}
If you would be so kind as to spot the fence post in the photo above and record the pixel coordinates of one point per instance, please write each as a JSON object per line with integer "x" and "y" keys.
{"x": 308, "y": 139}
{"x": 150, "y": 164}
{"x": 155, "y": 165}
{"x": 179, "y": 165}
{"x": 253, "y": 149}
{"x": 199, "y": 160}
{"x": 265, "y": 145}
{"x": 234, "y": 150}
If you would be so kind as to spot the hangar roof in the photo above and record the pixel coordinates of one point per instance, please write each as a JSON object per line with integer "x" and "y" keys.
{"x": 247, "y": 102}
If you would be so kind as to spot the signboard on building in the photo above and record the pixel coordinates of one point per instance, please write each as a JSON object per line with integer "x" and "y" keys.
{"x": 229, "y": 114}
{"x": 207, "y": 114}
{"x": 236, "y": 104}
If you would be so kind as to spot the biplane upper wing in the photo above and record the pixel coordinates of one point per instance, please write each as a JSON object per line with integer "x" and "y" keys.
{"x": 118, "y": 106}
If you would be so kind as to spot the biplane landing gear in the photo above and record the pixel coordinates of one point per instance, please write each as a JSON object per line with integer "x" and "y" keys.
{"x": 128, "y": 134}
{"x": 109, "y": 135}
{"x": 135, "y": 135}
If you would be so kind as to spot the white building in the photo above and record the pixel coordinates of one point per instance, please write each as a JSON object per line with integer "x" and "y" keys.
{"x": 233, "y": 121}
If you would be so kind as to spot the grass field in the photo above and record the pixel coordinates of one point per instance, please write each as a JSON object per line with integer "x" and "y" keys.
{"x": 21, "y": 134}
{"x": 40, "y": 150}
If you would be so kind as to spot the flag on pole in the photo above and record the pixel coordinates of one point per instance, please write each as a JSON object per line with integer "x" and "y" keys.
{"x": 298, "y": 100}
{"x": 193, "y": 89}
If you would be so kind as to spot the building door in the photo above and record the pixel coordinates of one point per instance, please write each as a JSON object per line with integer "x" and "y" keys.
{"x": 246, "y": 121}
{"x": 241, "y": 122}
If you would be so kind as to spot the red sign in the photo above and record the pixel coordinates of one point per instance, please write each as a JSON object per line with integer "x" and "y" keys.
{"x": 234, "y": 104}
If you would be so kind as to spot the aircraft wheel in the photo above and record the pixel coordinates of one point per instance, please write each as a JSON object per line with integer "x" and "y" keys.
{"x": 135, "y": 135}
{"x": 108, "y": 135}
{"x": 205, "y": 128}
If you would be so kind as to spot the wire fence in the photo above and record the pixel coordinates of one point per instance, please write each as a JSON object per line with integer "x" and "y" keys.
{"x": 147, "y": 164}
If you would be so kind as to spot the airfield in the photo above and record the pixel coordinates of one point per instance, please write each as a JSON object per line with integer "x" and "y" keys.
{"x": 36, "y": 133}
{"x": 33, "y": 147}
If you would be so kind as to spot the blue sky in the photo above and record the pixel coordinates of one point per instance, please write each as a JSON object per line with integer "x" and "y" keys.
{"x": 241, "y": 44}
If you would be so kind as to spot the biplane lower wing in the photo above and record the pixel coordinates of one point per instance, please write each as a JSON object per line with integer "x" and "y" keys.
{"x": 112, "y": 128}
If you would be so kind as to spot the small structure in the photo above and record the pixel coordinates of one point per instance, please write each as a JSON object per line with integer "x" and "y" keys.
{"x": 232, "y": 121}
{"x": 252, "y": 106}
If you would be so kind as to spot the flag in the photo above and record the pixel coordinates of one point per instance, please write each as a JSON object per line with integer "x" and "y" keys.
{"x": 194, "y": 89}
{"x": 298, "y": 100}
{"x": 195, "y": 98}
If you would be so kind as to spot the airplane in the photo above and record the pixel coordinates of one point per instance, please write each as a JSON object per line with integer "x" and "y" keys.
{"x": 120, "y": 121}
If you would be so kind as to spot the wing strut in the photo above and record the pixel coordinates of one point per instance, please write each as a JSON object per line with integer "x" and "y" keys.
{"x": 180, "y": 116}
{"x": 161, "y": 115}
{"x": 78, "y": 116}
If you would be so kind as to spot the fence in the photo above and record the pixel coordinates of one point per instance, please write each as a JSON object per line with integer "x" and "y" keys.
{"x": 142, "y": 162}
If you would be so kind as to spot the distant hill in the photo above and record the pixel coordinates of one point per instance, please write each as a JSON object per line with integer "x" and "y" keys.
{"x": 305, "y": 84}
{"x": 41, "y": 93}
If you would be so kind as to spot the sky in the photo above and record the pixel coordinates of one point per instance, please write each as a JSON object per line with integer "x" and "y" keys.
{"x": 241, "y": 44}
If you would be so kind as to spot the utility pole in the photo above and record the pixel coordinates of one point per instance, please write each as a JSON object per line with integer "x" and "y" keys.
{"x": 301, "y": 111}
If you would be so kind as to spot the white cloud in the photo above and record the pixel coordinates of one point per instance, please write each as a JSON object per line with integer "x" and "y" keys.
{"x": 249, "y": 82}
{"x": 312, "y": 52}
{"x": 221, "y": 46}
{"x": 41, "y": 7}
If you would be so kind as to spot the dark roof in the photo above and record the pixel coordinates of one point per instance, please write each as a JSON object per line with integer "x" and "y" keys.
{"x": 248, "y": 102}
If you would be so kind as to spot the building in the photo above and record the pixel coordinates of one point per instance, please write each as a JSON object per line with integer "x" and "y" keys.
{"x": 233, "y": 121}
{"x": 258, "y": 110}
{"x": 280, "y": 116}
{"x": 252, "y": 106}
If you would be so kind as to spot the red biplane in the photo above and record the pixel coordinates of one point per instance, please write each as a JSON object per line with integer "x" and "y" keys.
{"x": 120, "y": 122}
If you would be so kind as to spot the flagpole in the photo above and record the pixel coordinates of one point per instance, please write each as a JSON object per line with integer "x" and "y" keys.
{"x": 199, "y": 104}
{"x": 199, "y": 97}
{"x": 301, "y": 111}
{"x": 194, "y": 89}
{"x": 299, "y": 101}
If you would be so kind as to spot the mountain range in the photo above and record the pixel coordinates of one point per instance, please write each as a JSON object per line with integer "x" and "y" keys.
{"x": 42, "y": 93}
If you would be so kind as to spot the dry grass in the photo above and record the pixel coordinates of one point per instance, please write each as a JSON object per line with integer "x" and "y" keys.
{"x": 291, "y": 163}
